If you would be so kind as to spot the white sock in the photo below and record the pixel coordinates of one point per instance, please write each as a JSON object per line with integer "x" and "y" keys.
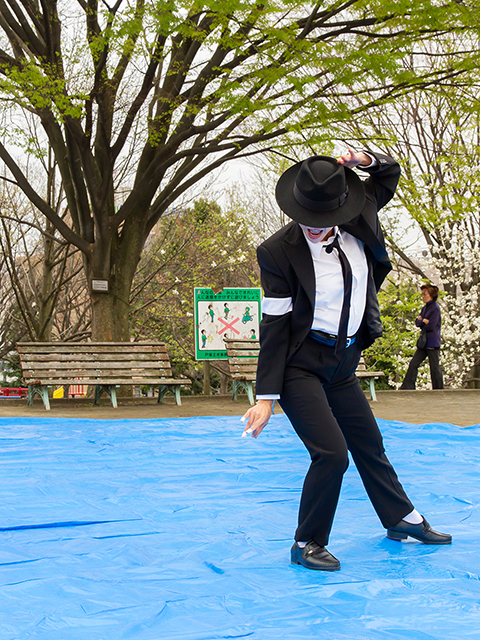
{"x": 413, "y": 517}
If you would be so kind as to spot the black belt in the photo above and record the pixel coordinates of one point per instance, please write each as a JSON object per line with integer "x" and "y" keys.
{"x": 330, "y": 339}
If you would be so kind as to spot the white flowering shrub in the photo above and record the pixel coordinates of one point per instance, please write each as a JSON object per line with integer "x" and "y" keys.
{"x": 460, "y": 335}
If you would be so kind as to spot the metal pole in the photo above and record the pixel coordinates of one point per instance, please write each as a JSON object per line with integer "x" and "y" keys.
{"x": 206, "y": 378}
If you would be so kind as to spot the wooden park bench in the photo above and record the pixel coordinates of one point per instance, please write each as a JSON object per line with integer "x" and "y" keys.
{"x": 369, "y": 376}
{"x": 242, "y": 368}
{"x": 242, "y": 365}
{"x": 107, "y": 365}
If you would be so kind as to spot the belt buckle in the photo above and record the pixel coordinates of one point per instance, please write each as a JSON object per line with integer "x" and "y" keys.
{"x": 349, "y": 342}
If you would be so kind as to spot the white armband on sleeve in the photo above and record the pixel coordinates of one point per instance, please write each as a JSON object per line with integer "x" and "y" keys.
{"x": 268, "y": 396}
{"x": 276, "y": 306}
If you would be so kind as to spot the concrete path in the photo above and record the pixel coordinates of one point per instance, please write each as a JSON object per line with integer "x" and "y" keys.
{"x": 460, "y": 407}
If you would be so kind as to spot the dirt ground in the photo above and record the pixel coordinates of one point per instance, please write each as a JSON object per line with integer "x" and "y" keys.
{"x": 460, "y": 407}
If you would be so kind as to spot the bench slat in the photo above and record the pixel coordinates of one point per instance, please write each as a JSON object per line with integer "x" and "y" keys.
{"x": 238, "y": 353}
{"x": 243, "y": 344}
{"x": 243, "y": 367}
{"x": 369, "y": 374}
{"x": 79, "y": 375}
{"x": 140, "y": 345}
{"x": 106, "y": 381}
{"x": 97, "y": 357}
{"x": 89, "y": 348}
{"x": 103, "y": 366}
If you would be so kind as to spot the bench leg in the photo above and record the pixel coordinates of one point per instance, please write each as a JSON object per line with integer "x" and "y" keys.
{"x": 113, "y": 397}
{"x": 243, "y": 385}
{"x": 176, "y": 392}
{"x": 173, "y": 388}
{"x": 42, "y": 392}
{"x": 235, "y": 386}
{"x": 371, "y": 384}
{"x": 249, "y": 389}
{"x": 110, "y": 389}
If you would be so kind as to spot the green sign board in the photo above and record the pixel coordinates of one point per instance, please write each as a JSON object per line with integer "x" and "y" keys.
{"x": 231, "y": 313}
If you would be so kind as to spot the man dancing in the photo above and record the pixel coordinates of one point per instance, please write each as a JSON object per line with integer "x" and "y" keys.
{"x": 320, "y": 276}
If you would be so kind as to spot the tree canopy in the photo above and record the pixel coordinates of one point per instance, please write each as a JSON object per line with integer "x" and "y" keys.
{"x": 141, "y": 100}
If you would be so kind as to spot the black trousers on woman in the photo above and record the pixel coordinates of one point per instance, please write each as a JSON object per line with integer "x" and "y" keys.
{"x": 436, "y": 374}
{"x": 330, "y": 413}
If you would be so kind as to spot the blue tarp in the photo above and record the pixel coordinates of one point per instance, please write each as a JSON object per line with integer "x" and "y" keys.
{"x": 180, "y": 529}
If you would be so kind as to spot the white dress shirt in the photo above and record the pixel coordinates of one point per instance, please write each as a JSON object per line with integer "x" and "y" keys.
{"x": 329, "y": 283}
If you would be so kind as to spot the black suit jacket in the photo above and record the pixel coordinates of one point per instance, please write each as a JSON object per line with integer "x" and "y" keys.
{"x": 287, "y": 271}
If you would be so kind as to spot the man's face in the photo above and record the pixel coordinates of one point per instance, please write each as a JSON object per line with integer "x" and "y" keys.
{"x": 317, "y": 234}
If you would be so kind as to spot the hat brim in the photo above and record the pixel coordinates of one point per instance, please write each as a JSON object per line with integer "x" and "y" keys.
{"x": 352, "y": 206}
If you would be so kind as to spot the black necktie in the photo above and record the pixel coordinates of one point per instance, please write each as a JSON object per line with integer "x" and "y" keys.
{"x": 347, "y": 295}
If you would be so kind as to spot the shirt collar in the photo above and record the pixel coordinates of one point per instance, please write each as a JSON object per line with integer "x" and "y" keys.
{"x": 316, "y": 248}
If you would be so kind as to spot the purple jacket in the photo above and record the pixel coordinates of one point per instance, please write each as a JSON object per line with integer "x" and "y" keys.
{"x": 431, "y": 311}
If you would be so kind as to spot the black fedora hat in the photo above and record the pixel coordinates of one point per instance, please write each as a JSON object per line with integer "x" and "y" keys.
{"x": 319, "y": 192}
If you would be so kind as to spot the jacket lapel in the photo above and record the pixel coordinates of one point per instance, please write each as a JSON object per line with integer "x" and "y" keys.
{"x": 298, "y": 254}
{"x": 366, "y": 228}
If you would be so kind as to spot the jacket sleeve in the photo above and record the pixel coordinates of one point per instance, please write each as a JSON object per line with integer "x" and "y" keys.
{"x": 274, "y": 327}
{"x": 382, "y": 182}
{"x": 419, "y": 319}
{"x": 433, "y": 314}
{"x": 380, "y": 187}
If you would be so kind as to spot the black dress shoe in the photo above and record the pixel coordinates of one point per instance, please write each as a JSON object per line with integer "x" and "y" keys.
{"x": 422, "y": 532}
{"x": 313, "y": 556}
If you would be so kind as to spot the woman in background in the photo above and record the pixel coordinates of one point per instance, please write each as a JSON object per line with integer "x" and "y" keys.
{"x": 429, "y": 320}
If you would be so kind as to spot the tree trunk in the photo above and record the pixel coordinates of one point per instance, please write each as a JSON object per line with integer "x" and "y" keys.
{"x": 115, "y": 260}
{"x": 110, "y": 318}
{"x": 45, "y": 313}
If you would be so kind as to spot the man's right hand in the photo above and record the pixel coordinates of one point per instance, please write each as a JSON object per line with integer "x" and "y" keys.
{"x": 258, "y": 417}
{"x": 352, "y": 158}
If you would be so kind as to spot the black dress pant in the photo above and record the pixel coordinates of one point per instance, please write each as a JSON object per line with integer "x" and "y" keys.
{"x": 436, "y": 374}
{"x": 330, "y": 413}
